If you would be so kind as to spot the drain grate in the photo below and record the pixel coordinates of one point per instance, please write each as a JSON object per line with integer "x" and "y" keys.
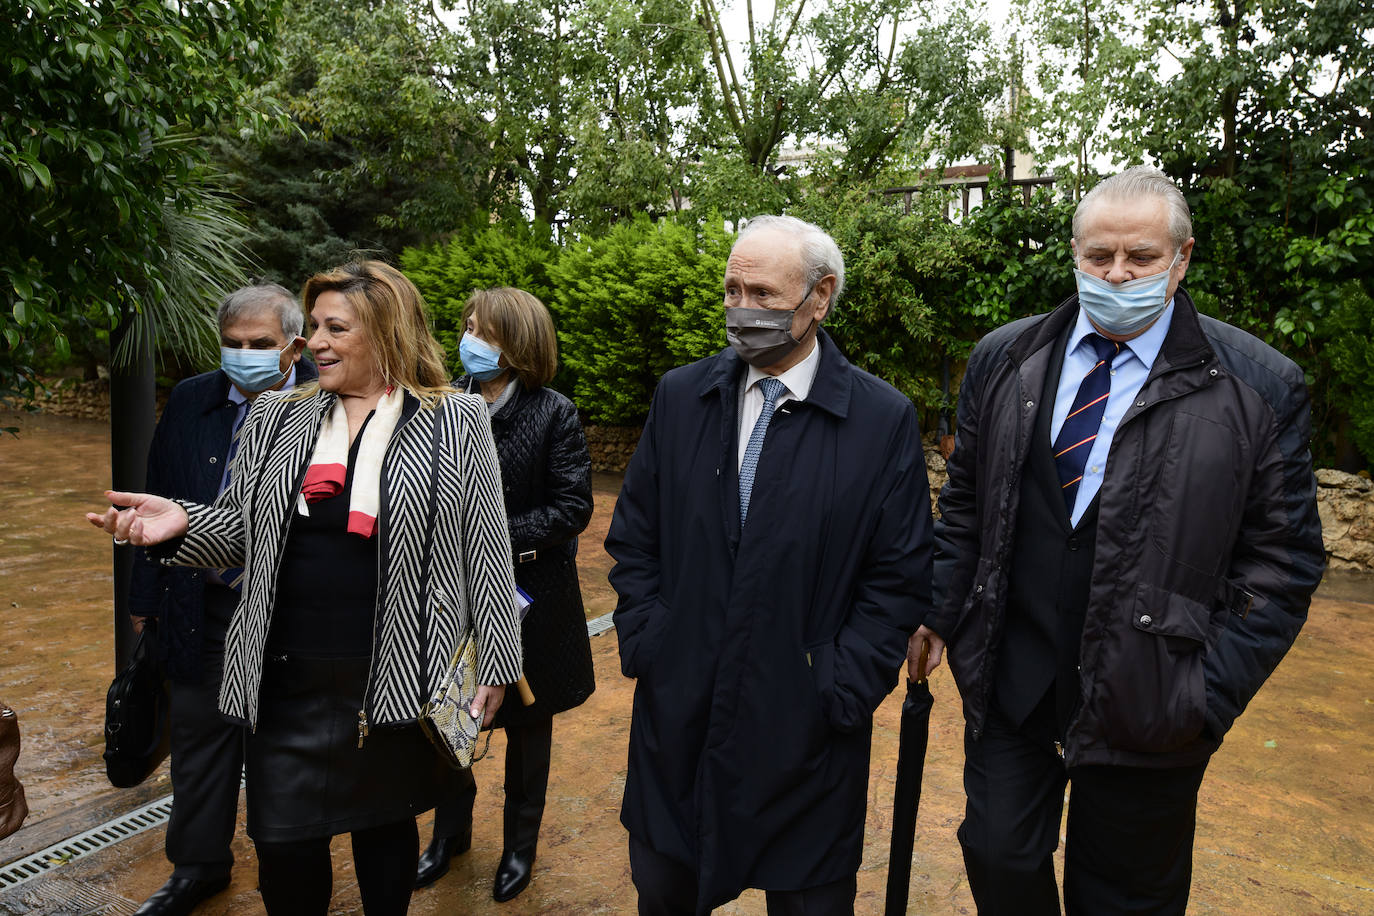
{"x": 153, "y": 814}
{"x": 598, "y": 625}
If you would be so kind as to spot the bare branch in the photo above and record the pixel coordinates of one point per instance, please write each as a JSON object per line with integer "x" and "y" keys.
{"x": 715, "y": 21}
{"x": 710, "y": 26}
{"x": 891, "y": 53}
{"x": 792, "y": 26}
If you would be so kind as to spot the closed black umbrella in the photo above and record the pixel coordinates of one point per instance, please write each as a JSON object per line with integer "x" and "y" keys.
{"x": 911, "y": 761}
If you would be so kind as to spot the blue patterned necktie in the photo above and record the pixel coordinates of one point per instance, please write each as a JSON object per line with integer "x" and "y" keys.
{"x": 1080, "y": 427}
{"x": 772, "y": 389}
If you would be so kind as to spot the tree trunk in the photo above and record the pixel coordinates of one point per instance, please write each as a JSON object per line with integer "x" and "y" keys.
{"x": 133, "y": 408}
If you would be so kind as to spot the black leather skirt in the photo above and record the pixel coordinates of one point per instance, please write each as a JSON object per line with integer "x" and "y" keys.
{"x": 306, "y": 775}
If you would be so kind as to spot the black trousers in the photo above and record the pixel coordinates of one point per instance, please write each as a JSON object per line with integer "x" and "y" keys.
{"x": 296, "y": 878}
{"x": 1130, "y": 829}
{"x": 528, "y": 751}
{"x": 666, "y": 887}
{"x": 207, "y": 759}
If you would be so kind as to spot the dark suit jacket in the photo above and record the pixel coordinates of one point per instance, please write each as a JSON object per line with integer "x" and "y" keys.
{"x": 186, "y": 461}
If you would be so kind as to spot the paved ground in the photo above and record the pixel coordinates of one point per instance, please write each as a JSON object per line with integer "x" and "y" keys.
{"x": 1285, "y": 821}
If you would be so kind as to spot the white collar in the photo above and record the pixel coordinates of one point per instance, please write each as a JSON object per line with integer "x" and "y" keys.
{"x": 798, "y": 379}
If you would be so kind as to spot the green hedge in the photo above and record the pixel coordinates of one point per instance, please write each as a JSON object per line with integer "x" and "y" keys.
{"x": 501, "y": 255}
{"x": 641, "y": 297}
{"x": 629, "y": 304}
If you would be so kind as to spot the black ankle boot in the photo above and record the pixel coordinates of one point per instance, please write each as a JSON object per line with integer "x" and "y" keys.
{"x": 434, "y": 860}
{"x": 513, "y": 874}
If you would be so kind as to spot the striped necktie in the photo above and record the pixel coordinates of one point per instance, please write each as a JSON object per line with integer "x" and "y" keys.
{"x": 1080, "y": 427}
{"x": 772, "y": 389}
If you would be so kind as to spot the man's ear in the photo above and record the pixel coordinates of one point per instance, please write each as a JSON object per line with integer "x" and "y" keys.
{"x": 825, "y": 288}
{"x": 297, "y": 348}
{"x": 1185, "y": 253}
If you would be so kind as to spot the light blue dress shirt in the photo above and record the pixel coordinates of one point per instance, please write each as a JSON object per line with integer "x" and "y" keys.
{"x": 1129, "y": 371}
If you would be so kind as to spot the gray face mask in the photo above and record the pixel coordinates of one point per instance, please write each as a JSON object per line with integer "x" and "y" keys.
{"x": 763, "y": 337}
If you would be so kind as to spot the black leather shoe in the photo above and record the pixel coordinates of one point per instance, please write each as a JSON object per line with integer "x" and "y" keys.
{"x": 513, "y": 874}
{"x": 434, "y": 860}
{"x": 179, "y": 896}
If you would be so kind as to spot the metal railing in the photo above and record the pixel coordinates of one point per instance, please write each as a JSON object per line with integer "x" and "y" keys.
{"x": 963, "y": 188}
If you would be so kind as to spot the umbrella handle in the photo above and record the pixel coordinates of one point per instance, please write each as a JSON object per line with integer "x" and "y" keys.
{"x": 921, "y": 661}
{"x": 526, "y": 695}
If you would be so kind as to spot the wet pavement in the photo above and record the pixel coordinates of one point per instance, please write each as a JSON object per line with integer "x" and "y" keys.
{"x": 1285, "y": 816}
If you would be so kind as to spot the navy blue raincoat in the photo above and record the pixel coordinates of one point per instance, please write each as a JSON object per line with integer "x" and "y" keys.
{"x": 761, "y": 654}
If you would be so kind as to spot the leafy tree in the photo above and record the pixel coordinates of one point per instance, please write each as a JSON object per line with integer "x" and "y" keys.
{"x": 379, "y": 154}
{"x": 106, "y": 187}
{"x": 581, "y": 100}
{"x": 1350, "y": 350}
{"x": 1089, "y": 55}
{"x": 922, "y": 290}
{"x": 1261, "y": 110}
{"x": 633, "y": 147}
{"x": 869, "y": 95}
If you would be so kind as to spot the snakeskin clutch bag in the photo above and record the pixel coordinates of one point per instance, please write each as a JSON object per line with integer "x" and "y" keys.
{"x": 446, "y": 718}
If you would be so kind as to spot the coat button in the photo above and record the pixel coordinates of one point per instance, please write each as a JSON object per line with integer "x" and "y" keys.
{"x": 1073, "y": 543}
{"x": 1140, "y": 403}
{"x": 214, "y": 460}
{"x": 1146, "y": 620}
{"x": 1213, "y": 373}
{"x": 978, "y": 590}
{"x": 1030, "y": 403}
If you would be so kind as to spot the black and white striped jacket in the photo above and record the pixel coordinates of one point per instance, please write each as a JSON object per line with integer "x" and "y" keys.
{"x": 444, "y": 548}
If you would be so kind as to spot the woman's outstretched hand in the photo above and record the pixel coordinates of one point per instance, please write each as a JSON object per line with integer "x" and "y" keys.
{"x": 147, "y": 519}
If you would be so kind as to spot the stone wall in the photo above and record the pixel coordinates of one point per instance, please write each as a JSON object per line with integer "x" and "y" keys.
{"x": 1346, "y": 504}
{"x": 611, "y": 447}
{"x": 72, "y": 398}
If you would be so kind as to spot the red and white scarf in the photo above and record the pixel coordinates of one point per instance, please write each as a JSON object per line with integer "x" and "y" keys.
{"x": 328, "y": 469}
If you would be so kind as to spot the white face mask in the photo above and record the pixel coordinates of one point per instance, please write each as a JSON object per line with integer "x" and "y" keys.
{"x": 1124, "y": 308}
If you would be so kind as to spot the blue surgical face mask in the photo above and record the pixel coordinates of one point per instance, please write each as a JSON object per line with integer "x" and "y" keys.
{"x": 1124, "y": 308}
{"x": 253, "y": 370}
{"x": 480, "y": 359}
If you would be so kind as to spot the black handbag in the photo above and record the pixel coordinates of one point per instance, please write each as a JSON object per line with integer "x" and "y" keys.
{"x": 138, "y": 730}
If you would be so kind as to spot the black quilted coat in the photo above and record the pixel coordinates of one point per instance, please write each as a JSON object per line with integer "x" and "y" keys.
{"x": 546, "y": 474}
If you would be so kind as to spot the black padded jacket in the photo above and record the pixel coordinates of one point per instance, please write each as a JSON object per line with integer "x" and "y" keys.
{"x": 1208, "y": 542}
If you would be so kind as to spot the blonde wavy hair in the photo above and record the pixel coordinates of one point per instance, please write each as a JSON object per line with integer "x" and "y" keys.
{"x": 392, "y": 314}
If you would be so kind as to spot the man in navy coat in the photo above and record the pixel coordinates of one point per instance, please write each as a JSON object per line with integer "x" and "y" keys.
{"x": 261, "y": 346}
{"x": 773, "y": 553}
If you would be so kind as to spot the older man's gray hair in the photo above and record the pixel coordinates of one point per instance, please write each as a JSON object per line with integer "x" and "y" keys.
{"x": 262, "y": 296}
{"x": 1132, "y": 184}
{"x": 820, "y": 255}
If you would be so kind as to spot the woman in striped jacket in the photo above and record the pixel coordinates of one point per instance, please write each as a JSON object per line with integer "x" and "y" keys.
{"x": 366, "y": 514}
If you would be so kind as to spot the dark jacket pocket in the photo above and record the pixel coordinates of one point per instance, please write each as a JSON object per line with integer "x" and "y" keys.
{"x": 967, "y": 643}
{"x": 1152, "y": 694}
{"x": 638, "y": 649}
